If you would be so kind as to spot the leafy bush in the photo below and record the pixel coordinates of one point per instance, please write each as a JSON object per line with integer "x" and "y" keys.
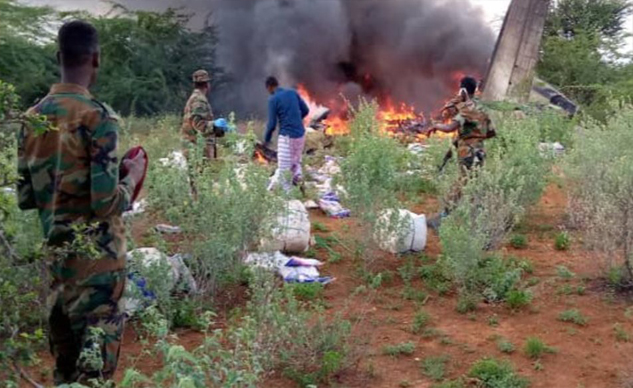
{"x": 435, "y": 367}
{"x": 535, "y": 348}
{"x": 420, "y": 321}
{"x": 519, "y": 241}
{"x": 493, "y": 201}
{"x": 564, "y": 273}
{"x": 562, "y": 242}
{"x": 573, "y": 316}
{"x": 600, "y": 169}
{"x": 505, "y": 346}
{"x": 517, "y": 299}
{"x": 307, "y": 292}
{"x": 493, "y": 373}
{"x": 405, "y": 348}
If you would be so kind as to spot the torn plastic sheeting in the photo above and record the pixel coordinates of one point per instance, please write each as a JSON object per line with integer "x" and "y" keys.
{"x": 168, "y": 229}
{"x": 417, "y": 148}
{"x": 554, "y": 148}
{"x": 291, "y": 269}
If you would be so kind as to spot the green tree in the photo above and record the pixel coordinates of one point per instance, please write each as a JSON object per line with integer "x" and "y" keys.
{"x": 569, "y": 17}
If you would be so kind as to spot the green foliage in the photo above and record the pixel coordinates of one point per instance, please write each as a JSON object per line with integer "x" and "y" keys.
{"x": 535, "y": 348}
{"x": 307, "y": 292}
{"x": 517, "y": 299}
{"x": 493, "y": 373}
{"x": 606, "y": 17}
{"x": 519, "y": 241}
{"x": 450, "y": 384}
{"x": 621, "y": 335}
{"x": 562, "y": 242}
{"x": 405, "y": 348}
{"x": 435, "y": 367}
{"x": 600, "y": 168}
{"x": 564, "y": 273}
{"x": 467, "y": 303}
{"x": 505, "y": 346}
{"x": 573, "y": 316}
{"x": 420, "y": 322}
{"x": 148, "y": 57}
{"x": 493, "y": 202}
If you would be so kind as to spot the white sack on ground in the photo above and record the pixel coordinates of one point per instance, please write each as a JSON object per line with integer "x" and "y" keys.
{"x": 138, "y": 293}
{"x": 291, "y": 231}
{"x": 401, "y": 232}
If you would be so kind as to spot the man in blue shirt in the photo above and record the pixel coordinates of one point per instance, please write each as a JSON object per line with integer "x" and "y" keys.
{"x": 286, "y": 107}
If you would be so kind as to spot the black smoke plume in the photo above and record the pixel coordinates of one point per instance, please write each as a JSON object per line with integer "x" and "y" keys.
{"x": 408, "y": 51}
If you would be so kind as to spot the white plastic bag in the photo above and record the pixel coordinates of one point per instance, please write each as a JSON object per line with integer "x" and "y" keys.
{"x": 406, "y": 232}
{"x": 291, "y": 233}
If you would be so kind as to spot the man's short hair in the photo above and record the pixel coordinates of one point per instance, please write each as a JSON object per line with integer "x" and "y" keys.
{"x": 271, "y": 82}
{"x": 470, "y": 84}
{"x": 78, "y": 40}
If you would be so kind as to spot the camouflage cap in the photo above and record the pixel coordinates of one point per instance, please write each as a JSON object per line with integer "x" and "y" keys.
{"x": 201, "y": 76}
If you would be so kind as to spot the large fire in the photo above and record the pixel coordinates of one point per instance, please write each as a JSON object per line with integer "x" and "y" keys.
{"x": 394, "y": 117}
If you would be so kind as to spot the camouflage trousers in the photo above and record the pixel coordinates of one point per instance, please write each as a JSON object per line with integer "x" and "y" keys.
{"x": 86, "y": 326}
{"x": 210, "y": 153}
{"x": 471, "y": 155}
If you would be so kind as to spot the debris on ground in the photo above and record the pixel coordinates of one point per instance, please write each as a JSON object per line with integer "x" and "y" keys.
{"x": 176, "y": 159}
{"x": 328, "y": 197}
{"x": 417, "y": 148}
{"x": 291, "y": 269}
{"x": 138, "y": 292}
{"x": 401, "y": 231}
{"x": 556, "y": 148}
{"x": 138, "y": 207}
{"x": 291, "y": 231}
{"x": 311, "y": 205}
{"x": 168, "y": 229}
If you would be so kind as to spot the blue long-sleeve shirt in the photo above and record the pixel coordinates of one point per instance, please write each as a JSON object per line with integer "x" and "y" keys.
{"x": 289, "y": 109}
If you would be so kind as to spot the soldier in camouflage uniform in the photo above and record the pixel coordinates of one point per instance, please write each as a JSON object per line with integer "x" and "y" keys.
{"x": 198, "y": 120}
{"x": 198, "y": 117}
{"x": 473, "y": 126}
{"x": 70, "y": 174}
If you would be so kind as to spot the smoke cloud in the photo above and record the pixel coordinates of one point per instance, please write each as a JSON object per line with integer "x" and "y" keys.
{"x": 408, "y": 51}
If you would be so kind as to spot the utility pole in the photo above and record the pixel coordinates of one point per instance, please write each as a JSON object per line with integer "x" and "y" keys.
{"x": 511, "y": 71}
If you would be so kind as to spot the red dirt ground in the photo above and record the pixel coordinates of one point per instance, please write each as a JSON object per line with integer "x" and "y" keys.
{"x": 588, "y": 356}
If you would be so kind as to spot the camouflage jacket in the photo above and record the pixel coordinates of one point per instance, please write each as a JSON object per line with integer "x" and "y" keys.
{"x": 198, "y": 117}
{"x": 473, "y": 120}
{"x": 70, "y": 174}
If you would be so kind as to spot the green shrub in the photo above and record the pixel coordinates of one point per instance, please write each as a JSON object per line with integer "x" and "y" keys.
{"x": 564, "y": 273}
{"x": 599, "y": 168}
{"x": 517, "y": 299}
{"x": 519, "y": 241}
{"x": 435, "y": 367}
{"x": 307, "y": 292}
{"x": 420, "y": 322}
{"x": 535, "y": 348}
{"x": 405, "y": 348}
{"x": 573, "y": 316}
{"x": 505, "y": 346}
{"x": 621, "y": 335}
{"x": 450, "y": 384}
{"x": 562, "y": 241}
{"x": 467, "y": 303}
{"x": 493, "y": 373}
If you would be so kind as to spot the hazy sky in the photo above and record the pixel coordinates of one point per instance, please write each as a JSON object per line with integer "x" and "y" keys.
{"x": 493, "y": 9}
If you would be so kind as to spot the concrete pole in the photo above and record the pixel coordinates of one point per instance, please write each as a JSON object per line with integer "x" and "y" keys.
{"x": 511, "y": 71}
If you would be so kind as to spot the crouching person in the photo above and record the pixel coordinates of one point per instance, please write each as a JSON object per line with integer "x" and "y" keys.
{"x": 286, "y": 108}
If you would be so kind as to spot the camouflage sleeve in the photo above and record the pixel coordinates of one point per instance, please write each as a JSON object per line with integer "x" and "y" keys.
{"x": 201, "y": 117}
{"x": 26, "y": 194}
{"x": 108, "y": 195}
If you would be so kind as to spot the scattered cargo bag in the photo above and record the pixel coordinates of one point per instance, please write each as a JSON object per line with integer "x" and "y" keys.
{"x": 401, "y": 232}
{"x": 291, "y": 232}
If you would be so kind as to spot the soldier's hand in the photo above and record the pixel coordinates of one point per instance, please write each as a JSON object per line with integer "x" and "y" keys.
{"x": 136, "y": 167}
